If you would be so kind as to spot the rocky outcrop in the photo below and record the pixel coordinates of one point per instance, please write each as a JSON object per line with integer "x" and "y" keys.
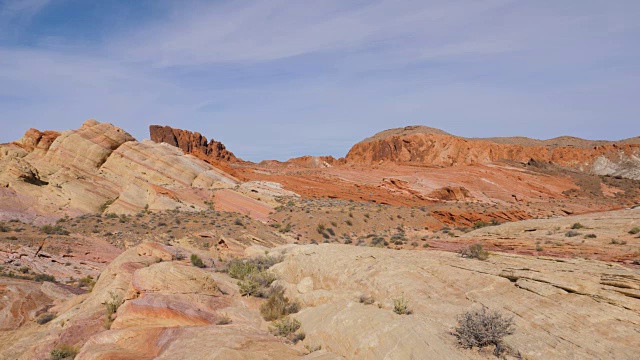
{"x": 35, "y": 139}
{"x": 170, "y": 309}
{"x": 550, "y": 301}
{"x": 191, "y": 143}
{"x": 451, "y": 193}
{"x": 166, "y": 309}
{"x": 433, "y": 148}
{"x": 100, "y": 167}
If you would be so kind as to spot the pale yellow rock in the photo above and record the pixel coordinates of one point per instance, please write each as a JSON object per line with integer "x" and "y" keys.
{"x": 101, "y": 166}
{"x": 562, "y": 309}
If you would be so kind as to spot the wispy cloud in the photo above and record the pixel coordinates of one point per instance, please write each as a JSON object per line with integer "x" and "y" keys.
{"x": 283, "y": 78}
{"x": 14, "y": 14}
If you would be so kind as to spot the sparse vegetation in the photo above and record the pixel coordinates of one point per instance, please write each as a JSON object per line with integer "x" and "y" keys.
{"x": 571, "y": 233}
{"x": 111, "y": 307}
{"x": 223, "y": 319}
{"x": 197, "y": 261}
{"x": 313, "y": 348}
{"x": 44, "y": 277}
{"x": 285, "y": 229}
{"x": 285, "y": 327}
{"x": 277, "y": 305}
{"x": 481, "y": 328}
{"x": 618, "y": 242}
{"x": 87, "y": 282}
{"x": 240, "y": 268}
{"x": 401, "y": 306}
{"x": 256, "y": 284}
{"x": 634, "y": 231}
{"x": 54, "y": 230}
{"x": 297, "y": 337}
{"x": 475, "y": 251}
{"x": 577, "y": 226}
{"x": 63, "y": 352}
{"x": 366, "y": 299}
{"x": 45, "y": 318}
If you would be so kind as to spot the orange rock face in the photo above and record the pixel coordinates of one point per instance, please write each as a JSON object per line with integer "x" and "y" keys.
{"x": 36, "y": 139}
{"x": 191, "y": 143}
{"x": 436, "y": 149}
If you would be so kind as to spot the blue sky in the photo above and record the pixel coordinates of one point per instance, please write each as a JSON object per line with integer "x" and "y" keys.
{"x": 281, "y": 78}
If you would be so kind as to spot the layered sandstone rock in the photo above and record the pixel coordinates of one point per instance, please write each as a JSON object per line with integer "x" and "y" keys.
{"x": 191, "y": 143}
{"x": 100, "y": 167}
{"x": 551, "y": 302}
{"x": 171, "y": 309}
{"x": 436, "y": 148}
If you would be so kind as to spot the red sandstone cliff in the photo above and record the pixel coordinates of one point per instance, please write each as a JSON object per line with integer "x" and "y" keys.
{"x": 191, "y": 143}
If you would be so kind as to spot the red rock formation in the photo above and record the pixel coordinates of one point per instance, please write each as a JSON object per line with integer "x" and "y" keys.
{"x": 36, "y": 139}
{"x": 451, "y": 193}
{"x": 191, "y": 143}
{"x": 437, "y": 149}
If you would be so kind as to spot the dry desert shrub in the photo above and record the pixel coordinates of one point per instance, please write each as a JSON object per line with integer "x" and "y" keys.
{"x": 278, "y": 305}
{"x": 63, "y": 351}
{"x": 482, "y": 327}
{"x": 366, "y": 299}
{"x": 401, "y": 306}
{"x": 475, "y": 251}
{"x": 285, "y": 327}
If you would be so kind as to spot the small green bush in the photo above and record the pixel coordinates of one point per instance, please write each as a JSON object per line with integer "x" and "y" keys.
{"x": 256, "y": 284}
{"x": 54, "y": 230}
{"x": 635, "y": 230}
{"x": 63, "y": 351}
{"x": 577, "y": 226}
{"x": 45, "y": 318}
{"x": 378, "y": 241}
{"x": 285, "y": 229}
{"x": 571, "y": 233}
{"x": 87, "y": 281}
{"x": 108, "y": 203}
{"x": 196, "y": 261}
{"x": 113, "y": 304}
{"x": 44, "y": 277}
{"x": 285, "y": 327}
{"x": 240, "y": 268}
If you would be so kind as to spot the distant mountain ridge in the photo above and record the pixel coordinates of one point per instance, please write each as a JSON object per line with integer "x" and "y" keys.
{"x": 509, "y": 140}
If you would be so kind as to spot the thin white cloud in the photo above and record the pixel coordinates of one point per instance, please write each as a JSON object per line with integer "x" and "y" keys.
{"x": 291, "y": 73}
